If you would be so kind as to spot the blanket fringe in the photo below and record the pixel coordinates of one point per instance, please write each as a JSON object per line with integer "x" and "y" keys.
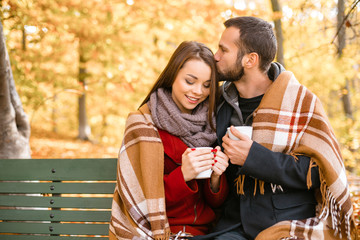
{"x": 255, "y": 186}
{"x": 351, "y": 225}
{"x": 294, "y": 155}
{"x": 311, "y": 165}
{"x": 262, "y": 186}
{"x": 330, "y": 206}
{"x": 308, "y": 176}
{"x": 164, "y": 236}
{"x": 239, "y": 184}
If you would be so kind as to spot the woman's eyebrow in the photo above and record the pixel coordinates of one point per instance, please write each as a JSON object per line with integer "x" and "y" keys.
{"x": 189, "y": 74}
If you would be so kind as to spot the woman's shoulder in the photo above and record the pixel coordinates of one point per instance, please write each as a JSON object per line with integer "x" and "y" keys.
{"x": 140, "y": 116}
{"x": 140, "y": 124}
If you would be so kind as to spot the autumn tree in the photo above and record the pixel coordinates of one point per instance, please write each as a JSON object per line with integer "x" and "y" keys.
{"x": 110, "y": 51}
{"x": 341, "y": 37}
{"x": 310, "y": 29}
{"x": 113, "y": 51}
{"x": 278, "y": 31}
{"x": 14, "y": 125}
{"x": 345, "y": 21}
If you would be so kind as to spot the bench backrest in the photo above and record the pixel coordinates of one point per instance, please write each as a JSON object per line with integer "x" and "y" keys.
{"x": 56, "y": 198}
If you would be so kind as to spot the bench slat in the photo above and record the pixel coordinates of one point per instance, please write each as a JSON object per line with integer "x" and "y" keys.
{"x": 56, "y": 194}
{"x": 55, "y": 202}
{"x": 56, "y": 187}
{"x": 29, "y": 237}
{"x": 58, "y": 169}
{"x": 54, "y": 215}
{"x": 57, "y": 228}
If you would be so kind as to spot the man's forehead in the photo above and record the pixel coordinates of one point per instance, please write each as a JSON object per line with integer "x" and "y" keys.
{"x": 232, "y": 32}
{"x": 229, "y": 37}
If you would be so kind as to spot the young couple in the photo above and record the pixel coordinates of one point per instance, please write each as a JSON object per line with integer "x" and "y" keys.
{"x": 287, "y": 182}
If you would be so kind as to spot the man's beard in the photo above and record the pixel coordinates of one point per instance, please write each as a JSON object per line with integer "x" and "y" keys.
{"x": 232, "y": 76}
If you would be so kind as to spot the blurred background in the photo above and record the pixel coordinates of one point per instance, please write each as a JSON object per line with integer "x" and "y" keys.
{"x": 81, "y": 66}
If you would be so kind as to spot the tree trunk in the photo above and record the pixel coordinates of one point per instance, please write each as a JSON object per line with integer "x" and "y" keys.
{"x": 54, "y": 114}
{"x": 341, "y": 45}
{"x": 14, "y": 124}
{"x": 278, "y": 31}
{"x": 23, "y": 39}
{"x": 341, "y": 27}
{"x": 346, "y": 99}
{"x": 84, "y": 128}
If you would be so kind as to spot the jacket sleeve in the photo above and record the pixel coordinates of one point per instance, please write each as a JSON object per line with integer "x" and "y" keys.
{"x": 216, "y": 199}
{"x": 279, "y": 168}
{"x": 176, "y": 189}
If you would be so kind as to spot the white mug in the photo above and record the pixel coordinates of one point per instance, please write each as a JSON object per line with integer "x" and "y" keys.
{"x": 206, "y": 173}
{"x": 247, "y": 130}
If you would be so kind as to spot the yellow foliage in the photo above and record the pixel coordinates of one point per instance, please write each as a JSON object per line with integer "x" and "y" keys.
{"x": 124, "y": 45}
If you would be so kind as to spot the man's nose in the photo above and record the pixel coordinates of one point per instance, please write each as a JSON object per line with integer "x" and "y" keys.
{"x": 217, "y": 56}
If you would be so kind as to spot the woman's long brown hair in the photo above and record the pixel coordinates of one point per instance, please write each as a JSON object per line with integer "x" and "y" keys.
{"x": 189, "y": 50}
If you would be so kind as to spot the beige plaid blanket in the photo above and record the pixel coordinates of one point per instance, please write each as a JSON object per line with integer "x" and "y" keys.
{"x": 291, "y": 119}
{"x": 138, "y": 208}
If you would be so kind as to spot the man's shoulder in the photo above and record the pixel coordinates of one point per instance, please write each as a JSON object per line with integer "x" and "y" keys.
{"x": 228, "y": 88}
{"x": 228, "y": 92}
{"x": 275, "y": 70}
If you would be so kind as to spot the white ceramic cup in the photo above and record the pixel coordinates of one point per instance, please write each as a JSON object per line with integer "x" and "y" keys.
{"x": 247, "y": 130}
{"x": 206, "y": 173}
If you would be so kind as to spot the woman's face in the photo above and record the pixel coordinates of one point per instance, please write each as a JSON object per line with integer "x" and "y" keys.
{"x": 191, "y": 85}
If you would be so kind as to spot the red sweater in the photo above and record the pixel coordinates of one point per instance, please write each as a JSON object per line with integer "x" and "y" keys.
{"x": 188, "y": 204}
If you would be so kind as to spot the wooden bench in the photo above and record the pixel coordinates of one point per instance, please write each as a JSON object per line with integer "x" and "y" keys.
{"x": 67, "y": 199}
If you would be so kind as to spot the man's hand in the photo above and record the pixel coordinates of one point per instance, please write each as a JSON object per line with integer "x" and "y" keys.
{"x": 237, "y": 150}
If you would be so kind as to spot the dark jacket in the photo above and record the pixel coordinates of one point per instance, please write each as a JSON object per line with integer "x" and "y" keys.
{"x": 286, "y": 195}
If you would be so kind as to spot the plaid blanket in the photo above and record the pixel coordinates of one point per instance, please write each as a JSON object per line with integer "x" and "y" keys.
{"x": 138, "y": 208}
{"x": 291, "y": 119}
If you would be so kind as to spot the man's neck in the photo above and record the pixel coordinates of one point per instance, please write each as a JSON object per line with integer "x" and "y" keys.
{"x": 253, "y": 84}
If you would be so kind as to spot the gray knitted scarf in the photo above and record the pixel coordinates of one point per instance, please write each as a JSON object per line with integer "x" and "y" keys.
{"x": 193, "y": 129}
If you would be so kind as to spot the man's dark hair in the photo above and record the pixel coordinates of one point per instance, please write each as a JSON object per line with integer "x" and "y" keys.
{"x": 256, "y": 35}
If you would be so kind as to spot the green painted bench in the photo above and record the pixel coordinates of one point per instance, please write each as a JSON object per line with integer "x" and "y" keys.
{"x": 58, "y": 199}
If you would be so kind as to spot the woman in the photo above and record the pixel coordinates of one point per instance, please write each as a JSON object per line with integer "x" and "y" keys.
{"x": 157, "y": 193}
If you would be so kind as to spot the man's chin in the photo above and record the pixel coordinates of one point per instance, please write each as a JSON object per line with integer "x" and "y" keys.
{"x": 231, "y": 77}
{"x": 223, "y": 78}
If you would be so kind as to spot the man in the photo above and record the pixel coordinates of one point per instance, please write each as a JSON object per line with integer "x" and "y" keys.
{"x": 277, "y": 191}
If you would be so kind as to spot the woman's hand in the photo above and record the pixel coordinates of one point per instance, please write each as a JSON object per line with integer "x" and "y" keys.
{"x": 221, "y": 163}
{"x": 195, "y": 161}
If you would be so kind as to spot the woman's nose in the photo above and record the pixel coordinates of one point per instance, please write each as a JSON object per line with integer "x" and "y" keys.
{"x": 197, "y": 89}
